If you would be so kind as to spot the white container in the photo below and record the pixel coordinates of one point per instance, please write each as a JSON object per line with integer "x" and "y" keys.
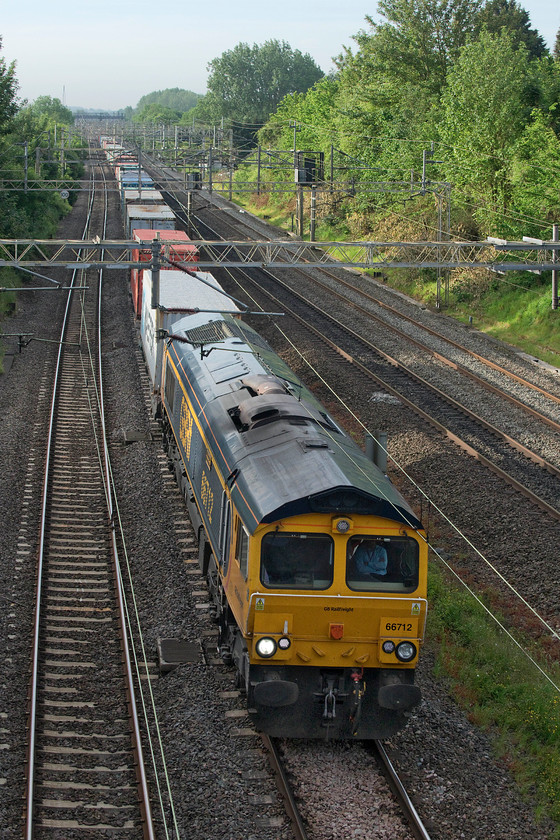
{"x": 147, "y": 196}
{"x": 180, "y": 294}
{"x": 149, "y": 216}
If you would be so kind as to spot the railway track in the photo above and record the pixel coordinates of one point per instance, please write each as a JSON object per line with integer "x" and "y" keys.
{"x": 511, "y": 460}
{"x": 469, "y": 364}
{"x": 514, "y": 462}
{"x": 284, "y": 787}
{"x": 401, "y": 808}
{"x": 353, "y": 297}
{"x": 85, "y": 768}
{"x": 550, "y": 400}
{"x": 417, "y": 828}
{"x": 184, "y": 730}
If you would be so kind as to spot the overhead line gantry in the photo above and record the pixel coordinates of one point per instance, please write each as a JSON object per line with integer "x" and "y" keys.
{"x": 495, "y": 255}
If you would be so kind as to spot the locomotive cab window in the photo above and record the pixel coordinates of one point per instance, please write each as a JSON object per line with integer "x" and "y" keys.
{"x": 388, "y": 564}
{"x": 296, "y": 561}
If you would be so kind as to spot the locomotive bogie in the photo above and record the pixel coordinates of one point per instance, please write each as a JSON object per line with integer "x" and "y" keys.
{"x": 314, "y": 702}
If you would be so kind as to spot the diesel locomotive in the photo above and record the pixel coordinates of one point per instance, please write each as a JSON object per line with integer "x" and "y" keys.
{"x": 285, "y": 504}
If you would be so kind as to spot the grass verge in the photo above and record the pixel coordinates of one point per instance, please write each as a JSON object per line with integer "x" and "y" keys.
{"x": 518, "y": 313}
{"x": 500, "y": 689}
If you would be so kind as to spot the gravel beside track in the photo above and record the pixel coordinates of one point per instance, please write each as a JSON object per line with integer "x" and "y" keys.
{"x": 446, "y": 761}
{"x": 221, "y": 784}
{"x": 516, "y": 422}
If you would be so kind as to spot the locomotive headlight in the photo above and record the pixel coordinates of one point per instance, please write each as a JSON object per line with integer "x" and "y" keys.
{"x": 284, "y": 643}
{"x": 388, "y": 647}
{"x": 266, "y": 647}
{"x": 342, "y": 525}
{"x": 406, "y": 651}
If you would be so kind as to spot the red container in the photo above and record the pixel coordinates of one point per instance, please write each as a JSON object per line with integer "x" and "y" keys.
{"x": 182, "y": 250}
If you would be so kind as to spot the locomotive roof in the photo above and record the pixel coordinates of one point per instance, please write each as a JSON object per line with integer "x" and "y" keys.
{"x": 279, "y": 450}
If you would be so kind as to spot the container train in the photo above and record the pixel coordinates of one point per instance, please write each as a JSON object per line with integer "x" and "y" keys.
{"x": 316, "y": 565}
{"x": 142, "y": 205}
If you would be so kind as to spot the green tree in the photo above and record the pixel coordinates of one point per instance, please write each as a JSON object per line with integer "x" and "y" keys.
{"x": 178, "y": 99}
{"x": 556, "y": 51}
{"x": 315, "y": 113}
{"x": 13, "y": 220}
{"x": 155, "y": 113}
{"x": 53, "y": 109}
{"x": 45, "y": 123}
{"x": 418, "y": 40}
{"x": 543, "y": 88}
{"x": 23, "y": 131}
{"x": 484, "y": 113}
{"x": 246, "y": 84}
{"x": 389, "y": 92}
{"x": 536, "y": 174}
{"x": 8, "y": 91}
{"x": 499, "y": 14}
{"x": 37, "y": 212}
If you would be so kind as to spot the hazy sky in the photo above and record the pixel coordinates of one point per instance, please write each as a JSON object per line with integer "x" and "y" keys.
{"x": 107, "y": 55}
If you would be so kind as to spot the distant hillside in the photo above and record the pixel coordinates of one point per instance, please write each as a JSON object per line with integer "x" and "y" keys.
{"x": 77, "y": 110}
{"x": 176, "y": 98}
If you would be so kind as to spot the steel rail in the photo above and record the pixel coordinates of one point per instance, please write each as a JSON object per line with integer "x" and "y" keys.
{"x": 398, "y": 789}
{"x": 142, "y": 788}
{"x": 544, "y": 505}
{"x": 521, "y": 448}
{"x": 482, "y": 359}
{"x": 515, "y": 444}
{"x": 40, "y": 563}
{"x": 149, "y": 833}
{"x": 446, "y": 361}
{"x": 413, "y": 818}
{"x": 284, "y": 787}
